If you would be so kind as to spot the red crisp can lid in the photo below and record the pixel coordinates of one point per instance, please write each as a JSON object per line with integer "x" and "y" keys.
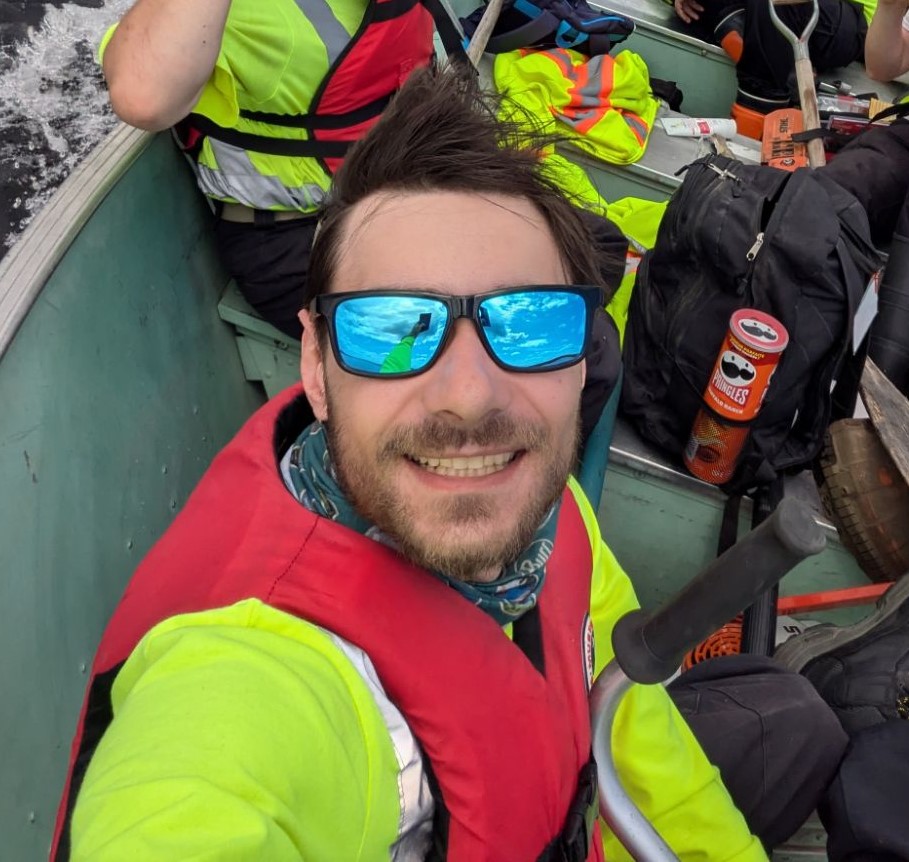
{"x": 759, "y": 330}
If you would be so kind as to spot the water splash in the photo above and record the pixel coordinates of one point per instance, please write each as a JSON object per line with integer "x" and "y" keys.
{"x": 53, "y": 108}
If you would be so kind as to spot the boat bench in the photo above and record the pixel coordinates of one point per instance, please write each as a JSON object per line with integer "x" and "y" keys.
{"x": 656, "y": 175}
{"x": 268, "y": 355}
{"x": 703, "y": 70}
{"x": 656, "y": 510}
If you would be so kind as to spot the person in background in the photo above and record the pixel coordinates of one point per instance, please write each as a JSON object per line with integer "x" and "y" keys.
{"x": 765, "y": 66}
{"x": 874, "y": 166}
{"x": 372, "y": 630}
{"x": 266, "y": 97}
{"x": 887, "y": 43}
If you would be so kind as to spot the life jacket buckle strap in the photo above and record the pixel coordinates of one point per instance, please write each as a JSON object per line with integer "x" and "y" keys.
{"x": 573, "y": 843}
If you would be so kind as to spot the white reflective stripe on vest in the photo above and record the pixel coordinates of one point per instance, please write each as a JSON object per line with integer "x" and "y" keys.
{"x": 330, "y": 30}
{"x": 236, "y": 178}
{"x": 417, "y": 805}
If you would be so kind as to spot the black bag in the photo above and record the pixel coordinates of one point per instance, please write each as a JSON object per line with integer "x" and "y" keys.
{"x": 864, "y": 811}
{"x": 795, "y": 245}
{"x": 553, "y": 24}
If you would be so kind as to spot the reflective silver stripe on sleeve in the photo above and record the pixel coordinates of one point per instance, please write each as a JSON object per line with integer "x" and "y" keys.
{"x": 236, "y": 177}
{"x": 417, "y": 805}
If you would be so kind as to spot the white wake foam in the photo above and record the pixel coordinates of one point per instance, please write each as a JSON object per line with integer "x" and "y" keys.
{"x": 53, "y": 106}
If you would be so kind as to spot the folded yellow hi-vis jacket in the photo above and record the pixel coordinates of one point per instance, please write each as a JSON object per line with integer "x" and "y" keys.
{"x": 603, "y": 103}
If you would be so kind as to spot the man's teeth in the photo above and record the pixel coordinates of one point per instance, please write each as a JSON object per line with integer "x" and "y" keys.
{"x": 473, "y": 465}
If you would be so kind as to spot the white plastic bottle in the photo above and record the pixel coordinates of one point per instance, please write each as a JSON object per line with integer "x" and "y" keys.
{"x": 696, "y": 127}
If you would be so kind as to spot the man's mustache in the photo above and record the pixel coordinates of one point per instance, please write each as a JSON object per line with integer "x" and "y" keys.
{"x": 436, "y": 435}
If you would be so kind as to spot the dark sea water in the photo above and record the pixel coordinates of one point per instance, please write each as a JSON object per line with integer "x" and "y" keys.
{"x": 53, "y": 105}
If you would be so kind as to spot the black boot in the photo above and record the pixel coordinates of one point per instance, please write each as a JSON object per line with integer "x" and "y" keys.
{"x": 889, "y": 338}
{"x": 862, "y": 670}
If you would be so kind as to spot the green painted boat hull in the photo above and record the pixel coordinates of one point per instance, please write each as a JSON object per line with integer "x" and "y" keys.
{"x": 117, "y": 389}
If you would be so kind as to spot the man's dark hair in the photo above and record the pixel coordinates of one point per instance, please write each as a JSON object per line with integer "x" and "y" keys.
{"x": 442, "y": 133}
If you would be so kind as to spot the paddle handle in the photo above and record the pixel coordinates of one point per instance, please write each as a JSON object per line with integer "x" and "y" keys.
{"x": 484, "y": 30}
{"x": 650, "y": 646}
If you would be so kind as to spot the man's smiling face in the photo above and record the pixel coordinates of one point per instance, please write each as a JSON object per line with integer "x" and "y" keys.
{"x": 458, "y": 464}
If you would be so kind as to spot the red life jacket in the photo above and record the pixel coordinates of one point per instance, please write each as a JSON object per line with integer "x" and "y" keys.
{"x": 243, "y": 535}
{"x": 394, "y": 38}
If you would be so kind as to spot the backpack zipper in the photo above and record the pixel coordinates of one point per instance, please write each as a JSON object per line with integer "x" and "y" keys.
{"x": 753, "y": 251}
{"x": 744, "y": 283}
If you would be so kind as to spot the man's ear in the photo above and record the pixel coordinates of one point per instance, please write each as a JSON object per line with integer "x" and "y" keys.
{"x": 312, "y": 367}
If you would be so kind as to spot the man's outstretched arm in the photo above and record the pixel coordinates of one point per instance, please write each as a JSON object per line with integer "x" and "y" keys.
{"x": 887, "y": 42}
{"x": 160, "y": 57}
{"x": 241, "y": 733}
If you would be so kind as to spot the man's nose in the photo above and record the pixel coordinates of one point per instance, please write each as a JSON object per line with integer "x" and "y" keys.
{"x": 465, "y": 382}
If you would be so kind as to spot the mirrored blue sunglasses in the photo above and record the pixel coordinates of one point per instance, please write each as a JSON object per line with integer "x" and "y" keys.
{"x": 400, "y": 333}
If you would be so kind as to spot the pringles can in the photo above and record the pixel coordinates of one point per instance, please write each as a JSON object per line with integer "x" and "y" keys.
{"x": 735, "y": 392}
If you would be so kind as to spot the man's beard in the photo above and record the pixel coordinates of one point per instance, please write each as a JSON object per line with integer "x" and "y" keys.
{"x": 367, "y": 481}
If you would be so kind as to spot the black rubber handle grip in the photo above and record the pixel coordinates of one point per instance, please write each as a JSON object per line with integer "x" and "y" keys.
{"x": 650, "y": 647}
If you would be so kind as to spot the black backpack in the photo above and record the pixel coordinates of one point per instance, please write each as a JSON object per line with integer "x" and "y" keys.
{"x": 795, "y": 245}
{"x": 553, "y": 24}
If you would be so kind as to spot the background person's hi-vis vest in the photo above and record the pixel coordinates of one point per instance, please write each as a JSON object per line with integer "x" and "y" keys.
{"x": 296, "y": 82}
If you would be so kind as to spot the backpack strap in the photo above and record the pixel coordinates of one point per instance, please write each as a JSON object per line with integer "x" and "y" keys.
{"x": 836, "y": 140}
{"x": 453, "y": 40}
{"x": 540, "y": 24}
{"x": 668, "y": 92}
{"x": 553, "y": 23}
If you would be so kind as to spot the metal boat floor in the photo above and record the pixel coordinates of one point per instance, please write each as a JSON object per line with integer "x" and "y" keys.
{"x": 659, "y": 171}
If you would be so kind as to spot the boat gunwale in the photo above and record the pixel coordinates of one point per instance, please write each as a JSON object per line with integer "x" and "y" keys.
{"x": 34, "y": 256}
{"x": 664, "y": 26}
{"x": 631, "y": 453}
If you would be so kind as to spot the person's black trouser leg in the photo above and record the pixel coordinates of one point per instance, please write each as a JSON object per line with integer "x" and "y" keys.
{"x": 270, "y": 264}
{"x": 865, "y": 811}
{"x": 775, "y": 742}
{"x": 767, "y": 62}
{"x": 888, "y": 343}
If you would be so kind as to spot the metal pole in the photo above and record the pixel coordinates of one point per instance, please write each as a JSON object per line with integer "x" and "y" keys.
{"x": 624, "y": 818}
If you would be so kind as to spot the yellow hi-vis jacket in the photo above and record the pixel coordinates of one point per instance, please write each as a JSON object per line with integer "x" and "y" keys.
{"x": 603, "y": 103}
{"x": 637, "y": 218}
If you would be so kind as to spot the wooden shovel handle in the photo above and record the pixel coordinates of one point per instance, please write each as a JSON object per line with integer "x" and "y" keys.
{"x": 808, "y": 100}
{"x": 484, "y": 30}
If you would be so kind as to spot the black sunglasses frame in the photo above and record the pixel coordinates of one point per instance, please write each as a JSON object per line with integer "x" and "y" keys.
{"x": 325, "y": 305}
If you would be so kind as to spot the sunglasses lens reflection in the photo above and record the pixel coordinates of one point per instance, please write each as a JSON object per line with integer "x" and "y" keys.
{"x": 537, "y": 330}
{"x": 388, "y": 335}
{"x": 398, "y": 334}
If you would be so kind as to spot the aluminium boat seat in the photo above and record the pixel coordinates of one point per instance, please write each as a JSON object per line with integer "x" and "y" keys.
{"x": 268, "y": 355}
{"x": 654, "y": 502}
{"x": 656, "y": 175}
{"x": 703, "y": 71}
